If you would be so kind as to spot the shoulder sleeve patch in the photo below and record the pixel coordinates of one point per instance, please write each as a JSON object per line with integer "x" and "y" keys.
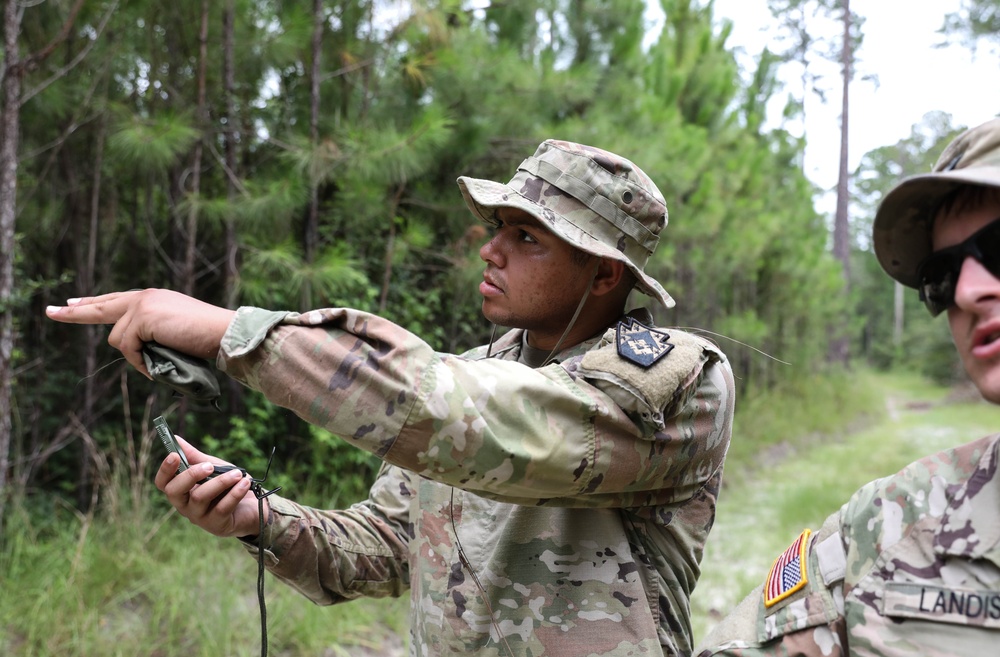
{"x": 645, "y": 370}
{"x": 788, "y": 573}
{"x": 801, "y": 591}
{"x": 641, "y": 344}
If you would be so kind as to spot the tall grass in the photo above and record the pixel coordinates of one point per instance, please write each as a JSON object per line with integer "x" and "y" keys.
{"x": 174, "y": 592}
{"x": 133, "y": 578}
{"x": 775, "y": 425}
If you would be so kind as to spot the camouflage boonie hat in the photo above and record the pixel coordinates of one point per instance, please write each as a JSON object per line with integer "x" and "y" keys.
{"x": 902, "y": 229}
{"x": 597, "y": 201}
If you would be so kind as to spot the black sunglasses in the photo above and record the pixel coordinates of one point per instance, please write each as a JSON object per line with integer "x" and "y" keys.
{"x": 938, "y": 273}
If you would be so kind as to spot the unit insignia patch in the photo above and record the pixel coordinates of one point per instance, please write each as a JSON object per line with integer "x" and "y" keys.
{"x": 641, "y": 344}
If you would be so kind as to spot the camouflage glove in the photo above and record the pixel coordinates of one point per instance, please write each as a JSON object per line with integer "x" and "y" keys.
{"x": 188, "y": 376}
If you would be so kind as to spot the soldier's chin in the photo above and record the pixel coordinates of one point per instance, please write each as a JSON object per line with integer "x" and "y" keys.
{"x": 988, "y": 384}
{"x": 493, "y": 314}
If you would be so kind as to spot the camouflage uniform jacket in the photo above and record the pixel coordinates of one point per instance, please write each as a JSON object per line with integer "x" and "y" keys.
{"x": 909, "y": 566}
{"x": 565, "y": 508}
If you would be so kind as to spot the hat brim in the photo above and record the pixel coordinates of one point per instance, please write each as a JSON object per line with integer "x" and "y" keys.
{"x": 902, "y": 230}
{"x": 484, "y": 196}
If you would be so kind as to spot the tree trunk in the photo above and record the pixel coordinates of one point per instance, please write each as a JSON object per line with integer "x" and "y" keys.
{"x": 230, "y": 270}
{"x": 9, "y": 122}
{"x": 390, "y": 248}
{"x": 85, "y": 287}
{"x": 191, "y": 246}
{"x": 839, "y": 344}
{"x": 841, "y": 233}
{"x": 897, "y": 314}
{"x": 311, "y": 232}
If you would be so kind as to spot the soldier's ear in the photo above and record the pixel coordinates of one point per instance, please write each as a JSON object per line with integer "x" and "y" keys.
{"x": 609, "y": 274}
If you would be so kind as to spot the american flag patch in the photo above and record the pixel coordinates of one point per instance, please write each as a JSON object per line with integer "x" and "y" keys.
{"x": 788, "y": 573}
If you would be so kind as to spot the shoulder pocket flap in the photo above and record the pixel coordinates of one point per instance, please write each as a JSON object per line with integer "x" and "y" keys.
{"x": 831, "y": 558}
{"x": 650, "y": 391}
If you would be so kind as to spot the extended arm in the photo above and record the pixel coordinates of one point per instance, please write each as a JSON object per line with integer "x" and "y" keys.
{"x": 497, "y": 428}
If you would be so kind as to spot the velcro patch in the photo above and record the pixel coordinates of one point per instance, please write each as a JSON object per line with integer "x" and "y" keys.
{"x": 640, "y": 344}
{"x": 648, "y": 394}
{"x": 788, "y": 572}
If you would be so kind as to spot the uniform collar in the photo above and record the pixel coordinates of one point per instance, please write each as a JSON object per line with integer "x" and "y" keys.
{"x": 513, "y": 345}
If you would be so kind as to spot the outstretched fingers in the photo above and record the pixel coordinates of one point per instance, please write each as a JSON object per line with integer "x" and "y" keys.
{"x": 112, "y": 308}
{"x": 103, "y": 309}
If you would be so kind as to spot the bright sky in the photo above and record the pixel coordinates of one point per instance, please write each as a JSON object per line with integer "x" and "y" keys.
{"x": 913, "y": 78}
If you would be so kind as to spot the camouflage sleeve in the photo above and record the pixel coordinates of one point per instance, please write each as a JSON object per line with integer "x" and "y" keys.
{"x": 494, "y": 427}
{"x": 335, "y": 556}
{"x": 796, "y": 611}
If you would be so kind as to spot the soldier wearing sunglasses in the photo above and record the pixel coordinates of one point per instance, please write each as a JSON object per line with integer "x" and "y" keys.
{"x": 911, "y": 564}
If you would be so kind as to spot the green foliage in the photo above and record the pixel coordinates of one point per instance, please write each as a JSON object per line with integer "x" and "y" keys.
{"x": 355, "y": 204}
{"x": 976, "y": 22}
{"x": 382, "y": 155}
{"x": 891, "y": 334}
{"x": 152, "y": 145}
{"x": 336, "y": 473}
{"x": 29, "y": 287}
{"x": 277, "y": 276}
{"x": 266, "y": 211}
{"x": 250, "y": 439}
{"x": 308, "y": 463}
{"x": 406, "y": 103}
{"x": 418, "y": 314}
{"x": 927, "y": 348}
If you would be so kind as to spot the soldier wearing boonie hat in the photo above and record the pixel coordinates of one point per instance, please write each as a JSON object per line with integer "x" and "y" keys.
{"x": 527, "y": 509}
{"x": 902, "y": 230}
{"x": 910, "y": 565}
{"x": 599, "y": 202}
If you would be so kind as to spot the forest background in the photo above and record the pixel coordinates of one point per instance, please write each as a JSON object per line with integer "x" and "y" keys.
{"x": 295, "y": 155}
